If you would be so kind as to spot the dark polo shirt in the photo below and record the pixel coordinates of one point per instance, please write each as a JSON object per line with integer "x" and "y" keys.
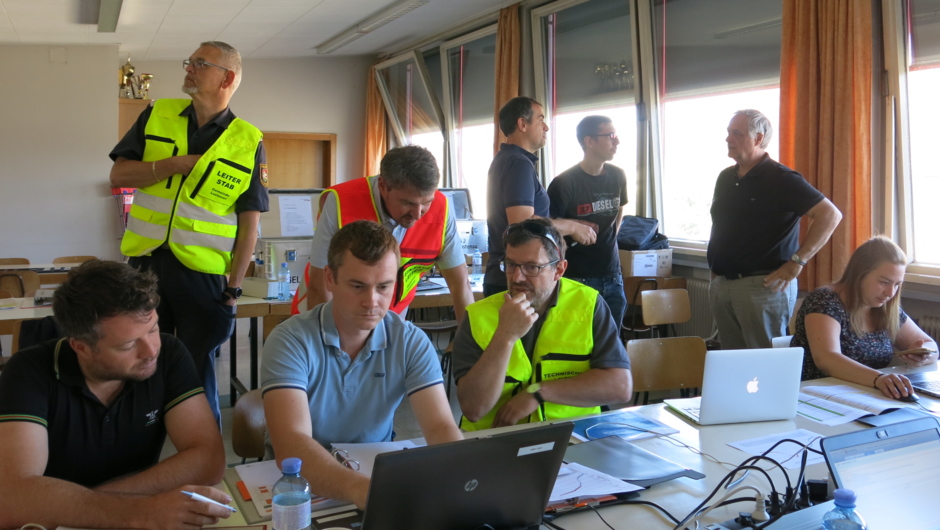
{"x": 88, "y": 442}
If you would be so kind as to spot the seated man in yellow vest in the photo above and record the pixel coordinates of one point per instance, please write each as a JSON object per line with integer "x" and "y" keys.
{"x": 546, "y": 349}
{"x": 404, "y": 199}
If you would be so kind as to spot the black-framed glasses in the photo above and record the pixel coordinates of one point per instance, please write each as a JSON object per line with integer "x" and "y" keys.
{"x": 534, "y": 228}
{"x": 529, "y": 269}
{"x": 199, "y": 64}
{"x": 612, "y": 136}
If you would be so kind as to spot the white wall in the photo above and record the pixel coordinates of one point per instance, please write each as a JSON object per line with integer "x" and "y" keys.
{"x": 58, "y": 121}
{"x": 313, "y": 95}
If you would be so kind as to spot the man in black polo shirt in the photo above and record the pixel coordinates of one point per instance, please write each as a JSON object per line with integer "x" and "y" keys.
{"x": 514, "y": 191}
{"x": 83, "y": 419}
{"x": 754, "y": 251}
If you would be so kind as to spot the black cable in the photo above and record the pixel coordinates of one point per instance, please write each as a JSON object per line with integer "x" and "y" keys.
{"x": 619, "y": 502}
{"x": 718, "y": 488}
{"x": 602, "y": 517}
{"x": 755, "y": 458}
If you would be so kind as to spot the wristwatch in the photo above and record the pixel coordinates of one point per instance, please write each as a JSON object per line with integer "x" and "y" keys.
{"x": 534, "y": 390}
{"x": 795, "y": 258}
{"x": 233, "y": 292}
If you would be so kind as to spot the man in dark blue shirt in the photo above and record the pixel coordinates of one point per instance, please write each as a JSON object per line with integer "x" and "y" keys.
{"x": 514, "y": 191}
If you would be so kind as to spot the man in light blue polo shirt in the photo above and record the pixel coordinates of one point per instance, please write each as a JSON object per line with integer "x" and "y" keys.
{"x": 338, "y": 372}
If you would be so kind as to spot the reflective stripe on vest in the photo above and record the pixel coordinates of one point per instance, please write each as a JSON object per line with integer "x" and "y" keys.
{"x": 195, "y": 214}
{"x": 562, "y": 350}
{"x": 421, "y": 245}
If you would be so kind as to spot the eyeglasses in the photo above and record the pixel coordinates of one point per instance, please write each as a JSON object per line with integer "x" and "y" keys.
{"x": 529, "y": 269}
{"x": 534, "y": 228}
{"x": 612, "y": 136}
{"x": 199, "y": 64}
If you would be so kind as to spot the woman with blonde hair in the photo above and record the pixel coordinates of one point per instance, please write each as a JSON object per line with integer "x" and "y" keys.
{"x": 854, "y": 327}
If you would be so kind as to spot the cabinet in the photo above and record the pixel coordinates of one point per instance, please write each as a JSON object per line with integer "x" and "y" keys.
{"x": 300, "y": 160}
{"x": 128, "y": 111}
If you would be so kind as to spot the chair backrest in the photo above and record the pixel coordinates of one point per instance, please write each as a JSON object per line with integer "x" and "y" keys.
{"x": 14, "y": 261}
{"x": 248, "y": 426}
{"x": 666, "y": 306}
{"x": 634, "y": 285}
{"x": 781, "y": 342}
{"x": 73, "y": 259}
{"x": 6, "y": 294}
{"x": 20, "y": 284}
{"x": 667, "y": 363}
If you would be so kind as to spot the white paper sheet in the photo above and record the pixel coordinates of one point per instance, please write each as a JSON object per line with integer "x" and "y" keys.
{"x": 296, "y": 215}
{"x": 789, "y": 455}
{"x": 575, "y": 480}
{"x": 827, "y": 412}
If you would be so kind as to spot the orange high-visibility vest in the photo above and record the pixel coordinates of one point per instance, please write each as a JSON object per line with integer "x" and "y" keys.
{"x": 420, "y": 247}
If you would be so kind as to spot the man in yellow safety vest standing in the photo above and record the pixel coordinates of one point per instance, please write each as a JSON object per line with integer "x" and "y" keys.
{"x": 546, "y": 349}
{"x": 201, "y": 182}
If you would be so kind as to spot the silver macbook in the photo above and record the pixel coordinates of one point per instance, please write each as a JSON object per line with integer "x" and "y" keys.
{"x": 894, "y": 470}
{"x": 745, "y": 385}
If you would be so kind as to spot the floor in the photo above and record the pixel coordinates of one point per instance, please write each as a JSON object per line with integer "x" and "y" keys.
{"x": 406, "y": 425}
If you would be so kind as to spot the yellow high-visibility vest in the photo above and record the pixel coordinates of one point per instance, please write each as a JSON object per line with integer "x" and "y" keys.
{"x": 562, "y": 350}
{"x": 195, "y": 215}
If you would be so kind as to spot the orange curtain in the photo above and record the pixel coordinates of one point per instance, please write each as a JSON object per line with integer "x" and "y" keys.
{"x": 375, "y": 144}
{"x": 825, "y": 117}
{"x": 508, "y": 54}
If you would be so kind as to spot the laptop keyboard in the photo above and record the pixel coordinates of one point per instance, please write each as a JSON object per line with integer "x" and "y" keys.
{"x": 692, "y": 411}
{"x": 929, "y": 386}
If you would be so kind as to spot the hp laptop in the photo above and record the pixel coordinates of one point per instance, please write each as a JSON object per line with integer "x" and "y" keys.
{"x": 745, "y": 385}
{"x": 502, "y": 482}
{"x": 894, "y": 470}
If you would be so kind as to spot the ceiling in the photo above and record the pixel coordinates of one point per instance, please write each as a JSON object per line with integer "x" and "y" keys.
{"x": 172, "y": 29}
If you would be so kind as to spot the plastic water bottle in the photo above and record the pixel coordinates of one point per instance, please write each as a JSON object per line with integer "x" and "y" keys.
{"x": 844, "y": 516}
{"x": 477, "y": 262}
{"x": 283, "y": 283}
{"x": 291, "y": 501}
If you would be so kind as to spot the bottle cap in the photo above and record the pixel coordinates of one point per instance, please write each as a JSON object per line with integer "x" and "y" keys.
{"x": 283, "y": 264}
{"x": 290, "y": 466}
{"x": 845, "y": 498}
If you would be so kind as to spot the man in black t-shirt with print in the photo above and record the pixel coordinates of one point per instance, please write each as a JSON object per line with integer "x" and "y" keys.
{"x": 83, "y": 419}
{"x": 594, "y": 191}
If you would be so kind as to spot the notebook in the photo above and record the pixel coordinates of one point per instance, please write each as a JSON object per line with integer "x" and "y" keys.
{"x": 894, "y": 470}
{"x": 927, "y": 383}
{"x": 503, "y": 481}
{"x": 759, "y": 384}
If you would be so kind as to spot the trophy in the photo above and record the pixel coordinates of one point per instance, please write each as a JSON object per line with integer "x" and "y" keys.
{"x": 126, "y": 74}
{"x": 143, "y": 85}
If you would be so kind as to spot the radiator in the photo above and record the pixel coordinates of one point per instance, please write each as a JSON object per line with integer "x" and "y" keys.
{"x": 931, "y": 326}
{"x": 702, "y": 323}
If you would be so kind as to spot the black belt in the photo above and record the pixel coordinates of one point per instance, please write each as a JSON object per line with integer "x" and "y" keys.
{"x": 739, "y": 275}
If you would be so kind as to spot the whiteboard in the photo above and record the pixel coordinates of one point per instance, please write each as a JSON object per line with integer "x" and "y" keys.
{"x": 292, "y": 213}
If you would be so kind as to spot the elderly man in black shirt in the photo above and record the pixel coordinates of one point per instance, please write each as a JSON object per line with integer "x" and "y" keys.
{"x": 754, "y": 251}
{"x": 83, "y": 419}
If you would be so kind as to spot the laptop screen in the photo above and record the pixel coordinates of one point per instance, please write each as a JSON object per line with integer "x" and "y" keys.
{"x": 895, "y": 473}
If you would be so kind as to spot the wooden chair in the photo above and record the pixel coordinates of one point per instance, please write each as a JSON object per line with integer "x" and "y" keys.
{"x": 249, "y": 426}
{"x": 633, "y": 286}
{"x": 665, "y": 364}
{"x": 666, "y": 307}
{"x": 73, "y": 259}
{"x": 14, "y": 261}
{"x": 3, "y": 360}
{"x": 20, "y": 284}
{"x": 443, "y": 326}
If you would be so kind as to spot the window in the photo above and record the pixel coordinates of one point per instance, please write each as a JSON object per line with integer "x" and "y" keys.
{"x": 923, "y": 80}
{"x": 587, "y": 61}
{"x": 469, "y": 102}
{"x": 413, "y": 109}
{"x": 710, "y": 62}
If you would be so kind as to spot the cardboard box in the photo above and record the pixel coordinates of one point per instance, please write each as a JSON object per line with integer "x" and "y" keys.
{"x": 646, "y": 262}
{"x": 259, "y": 288}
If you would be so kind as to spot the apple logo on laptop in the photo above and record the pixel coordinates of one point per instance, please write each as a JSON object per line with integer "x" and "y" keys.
{"x": 752, "y": 386}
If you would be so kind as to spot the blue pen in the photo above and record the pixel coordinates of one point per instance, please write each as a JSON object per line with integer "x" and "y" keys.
{"x": 198, "y": 497}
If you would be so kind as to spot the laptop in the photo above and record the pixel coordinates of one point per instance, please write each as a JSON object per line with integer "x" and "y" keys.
{"x": 894, "y": 470}
{"x": 760, "y": 384}
{"x": 501, "y": 481}
{"x": 927, "y": 383}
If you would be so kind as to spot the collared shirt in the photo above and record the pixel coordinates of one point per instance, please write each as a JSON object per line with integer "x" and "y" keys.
{"x": 512, "y": 181}
{"x": 351, "y": 400}
{"x": 327, "y": 225}
{"x": 131, "y": 147}
{"x": 608, "y": 350}
{"x": 90, "y": 443}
